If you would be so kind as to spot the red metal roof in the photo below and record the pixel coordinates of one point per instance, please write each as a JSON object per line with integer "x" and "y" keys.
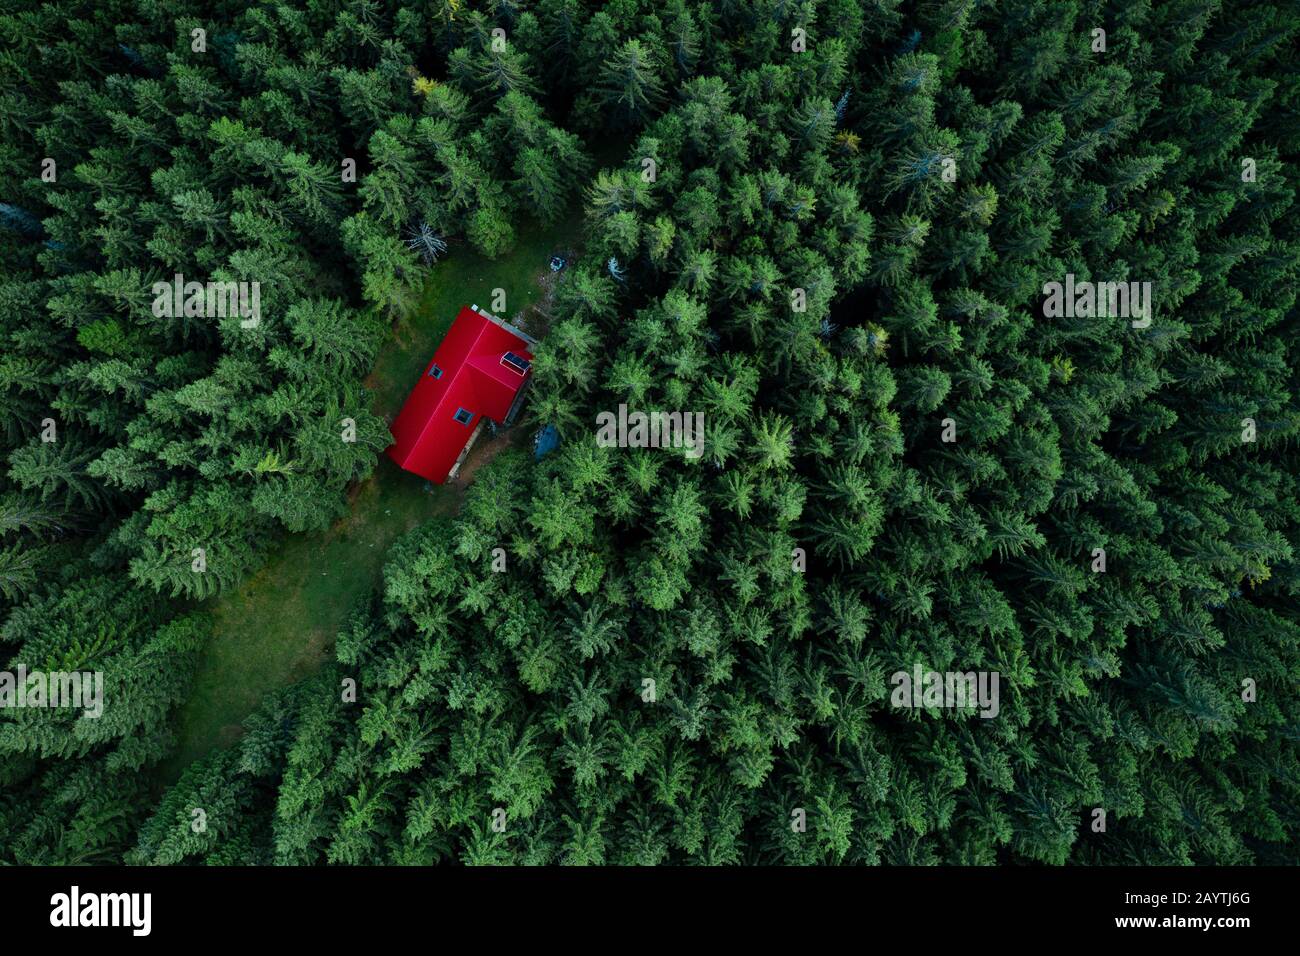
{"x": 427, "y": 437}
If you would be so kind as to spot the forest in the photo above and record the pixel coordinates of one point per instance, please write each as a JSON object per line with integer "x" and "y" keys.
{"x": 988, "y": 311}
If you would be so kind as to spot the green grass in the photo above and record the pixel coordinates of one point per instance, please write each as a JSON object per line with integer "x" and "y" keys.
{"x": 280, "y": 624}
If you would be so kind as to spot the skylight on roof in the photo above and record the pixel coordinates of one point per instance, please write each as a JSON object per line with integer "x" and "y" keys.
{"x": 515, "y": 362}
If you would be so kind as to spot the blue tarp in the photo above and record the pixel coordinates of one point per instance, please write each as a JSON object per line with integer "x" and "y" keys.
{"x": 545, "y": 442}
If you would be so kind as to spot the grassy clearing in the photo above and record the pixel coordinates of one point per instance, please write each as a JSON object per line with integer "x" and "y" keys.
{"x": 279, "y": 625}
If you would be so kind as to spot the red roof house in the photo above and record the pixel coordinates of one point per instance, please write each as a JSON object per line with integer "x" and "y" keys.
{"x": 478, "y": 372}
